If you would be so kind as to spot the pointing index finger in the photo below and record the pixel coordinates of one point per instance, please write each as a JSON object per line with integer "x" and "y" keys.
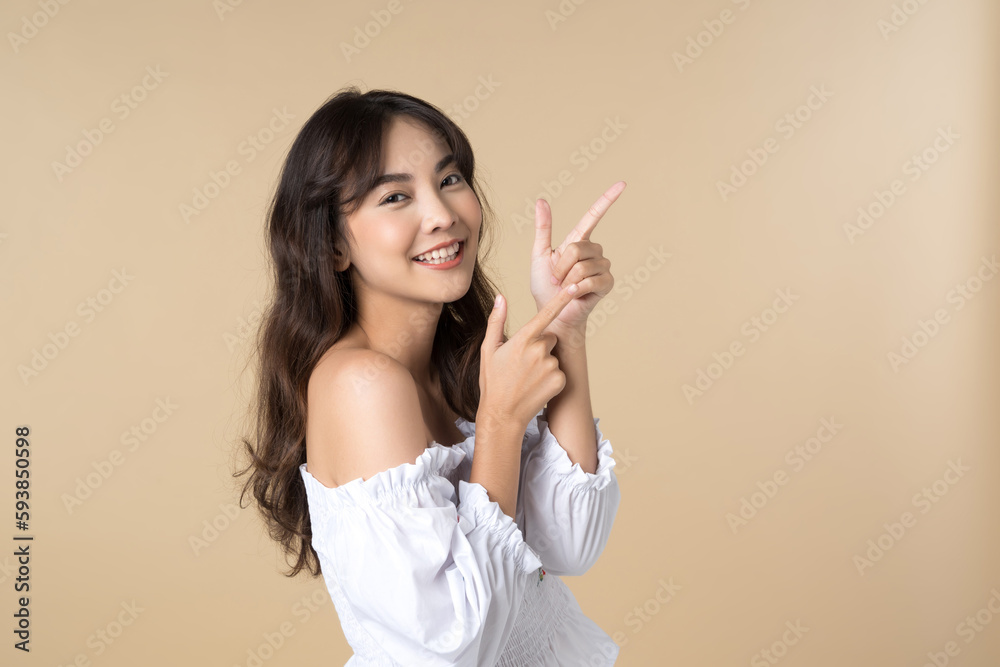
{"x": 593, "y": 215}
{"x": 536, "y": 325}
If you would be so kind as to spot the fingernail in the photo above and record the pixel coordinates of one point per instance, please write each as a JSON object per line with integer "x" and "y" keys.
{"x": 496, "y": 302}
{"x": 574, "y": 288}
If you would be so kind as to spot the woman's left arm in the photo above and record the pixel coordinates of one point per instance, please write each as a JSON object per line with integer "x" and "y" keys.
{"x": 570, "y": 414}
{"x": 569, "y": 489}
{"x": 571, "y": 495}
{"x": 576, "y": 260}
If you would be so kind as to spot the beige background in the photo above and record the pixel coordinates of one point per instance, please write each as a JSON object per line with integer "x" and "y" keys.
{"x": 174, "y": 332}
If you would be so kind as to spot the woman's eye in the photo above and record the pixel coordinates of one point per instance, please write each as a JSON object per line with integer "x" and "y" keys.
{"x": 388, "y": 200}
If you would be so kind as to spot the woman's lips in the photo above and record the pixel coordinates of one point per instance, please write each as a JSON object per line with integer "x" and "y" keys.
{"x": 449, "y": 264}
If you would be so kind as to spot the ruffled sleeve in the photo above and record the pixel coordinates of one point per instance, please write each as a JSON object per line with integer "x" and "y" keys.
{"x": 567, "y": 513}
{"x": 433, "y": 577}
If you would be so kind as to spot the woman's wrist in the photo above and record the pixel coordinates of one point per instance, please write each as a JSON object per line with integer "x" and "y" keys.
{"x": 569, "y": 338}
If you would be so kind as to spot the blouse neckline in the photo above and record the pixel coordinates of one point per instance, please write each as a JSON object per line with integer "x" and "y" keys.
{"x": 434, "y": 457}
{"x": 467, "y": 429}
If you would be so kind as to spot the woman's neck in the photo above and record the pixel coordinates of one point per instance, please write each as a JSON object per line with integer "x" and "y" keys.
{"x": 411, "y": 346}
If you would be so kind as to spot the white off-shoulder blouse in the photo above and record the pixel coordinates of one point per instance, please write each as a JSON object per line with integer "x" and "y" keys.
{"x": 424, "y": 569}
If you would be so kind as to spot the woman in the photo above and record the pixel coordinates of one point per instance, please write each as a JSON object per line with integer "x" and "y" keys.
{"x": 384, "y": 366}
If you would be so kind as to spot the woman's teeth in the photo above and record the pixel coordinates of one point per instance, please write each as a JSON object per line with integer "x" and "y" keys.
{"x": 439, "y": 256}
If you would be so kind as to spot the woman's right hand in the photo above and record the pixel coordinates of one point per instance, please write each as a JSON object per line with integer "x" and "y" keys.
{"x": 517, "y": 378}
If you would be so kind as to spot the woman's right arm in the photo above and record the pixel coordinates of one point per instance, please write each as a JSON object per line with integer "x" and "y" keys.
{"x": 516, "y": 378}
{"x": 496, "y": 465}
{"x": 433, "y": 578}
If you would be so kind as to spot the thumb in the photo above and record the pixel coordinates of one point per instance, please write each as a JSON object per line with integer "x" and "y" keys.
{"x": 542, "y": 246}
{"x": 494, "y": 328}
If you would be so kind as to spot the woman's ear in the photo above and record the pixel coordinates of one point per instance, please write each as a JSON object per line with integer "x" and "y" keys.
{"x": 341, "y": 258}
{"x": 341, "y": 253}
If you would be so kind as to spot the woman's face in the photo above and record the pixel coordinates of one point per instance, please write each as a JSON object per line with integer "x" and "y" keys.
{"x": 424, "y": 202}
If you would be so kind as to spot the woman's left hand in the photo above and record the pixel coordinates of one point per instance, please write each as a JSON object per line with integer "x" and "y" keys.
{"x": 576, "y": 260}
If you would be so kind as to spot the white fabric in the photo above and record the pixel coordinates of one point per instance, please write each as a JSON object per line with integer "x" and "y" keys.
{"x": 424, "y": 569}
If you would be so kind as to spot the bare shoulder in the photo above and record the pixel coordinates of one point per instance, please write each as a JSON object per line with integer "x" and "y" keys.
{"x": 364, "y": 416}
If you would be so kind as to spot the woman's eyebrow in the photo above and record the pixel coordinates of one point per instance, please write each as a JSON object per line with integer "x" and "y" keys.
{"x": 406, "y": 178}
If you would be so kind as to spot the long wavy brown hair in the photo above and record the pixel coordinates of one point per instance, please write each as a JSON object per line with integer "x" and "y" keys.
{"x": 330, "y": 168}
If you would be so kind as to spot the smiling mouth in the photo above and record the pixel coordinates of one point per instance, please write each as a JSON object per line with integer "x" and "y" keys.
{"x": 434, "y": 261}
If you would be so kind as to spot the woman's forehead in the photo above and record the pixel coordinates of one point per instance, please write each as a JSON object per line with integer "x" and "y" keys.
{"x": 410, "y": 143}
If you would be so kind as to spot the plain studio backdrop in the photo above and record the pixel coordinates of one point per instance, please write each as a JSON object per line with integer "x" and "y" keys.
{"x": 798, "y": 366}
